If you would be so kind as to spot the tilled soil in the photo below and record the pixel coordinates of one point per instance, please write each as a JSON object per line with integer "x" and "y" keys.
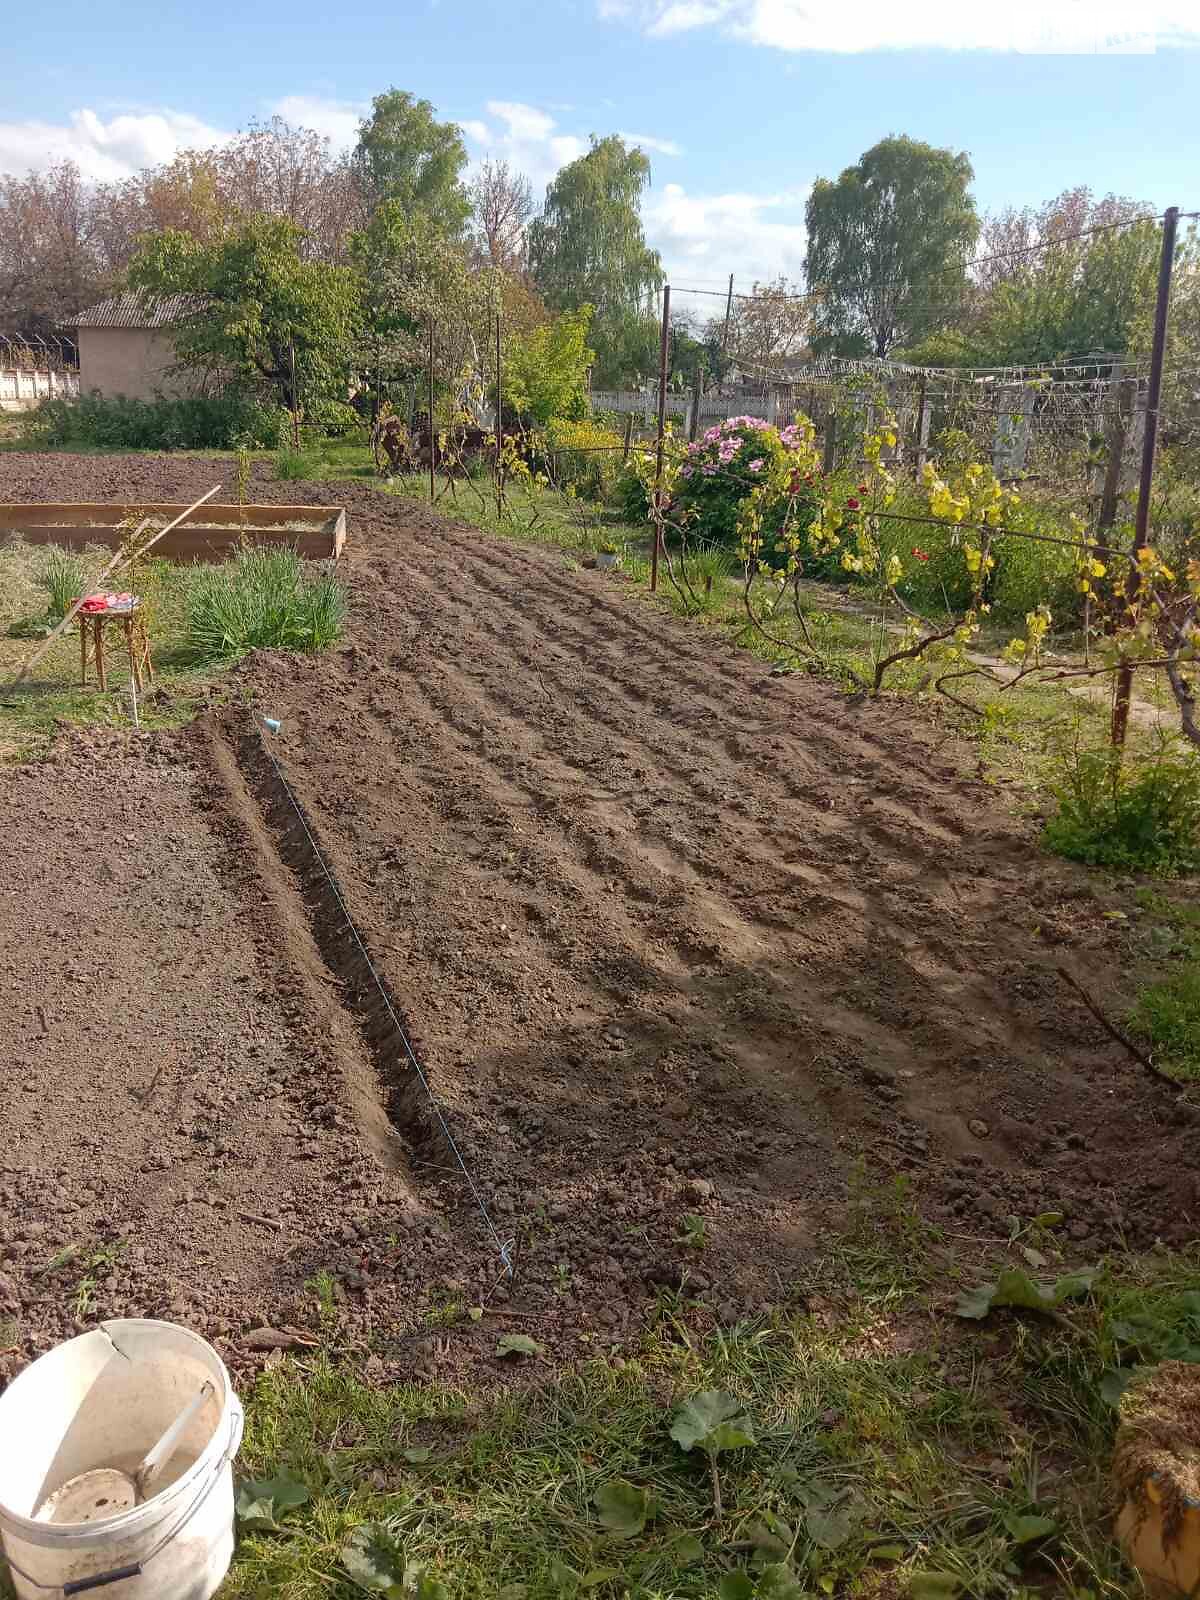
{"x": 672, "y": 939}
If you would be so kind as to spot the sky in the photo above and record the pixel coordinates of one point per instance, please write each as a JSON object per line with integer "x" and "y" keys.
{"x": 739, "y": 104}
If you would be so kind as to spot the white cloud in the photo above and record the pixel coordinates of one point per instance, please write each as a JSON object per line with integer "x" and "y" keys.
{"x": 525, "y": 136}
{"x": 105, "y": 151}
{"x": 762, "y": 235}
{"x": 662, "y": 147}
{"x": 1029, "y": 26}
{"x": 335, "y": 120}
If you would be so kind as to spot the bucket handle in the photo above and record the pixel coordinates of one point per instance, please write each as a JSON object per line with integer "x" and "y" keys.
{"x": 101, "y": 1580}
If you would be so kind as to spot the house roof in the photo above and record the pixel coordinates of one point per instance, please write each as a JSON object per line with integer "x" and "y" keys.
{"x": 134, "y": 311}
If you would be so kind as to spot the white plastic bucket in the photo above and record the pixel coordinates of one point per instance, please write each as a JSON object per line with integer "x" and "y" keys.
{"x": 95, "y": 1406}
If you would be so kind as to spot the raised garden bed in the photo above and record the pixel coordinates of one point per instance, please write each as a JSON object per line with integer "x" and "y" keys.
{"x": 316, "y": 532}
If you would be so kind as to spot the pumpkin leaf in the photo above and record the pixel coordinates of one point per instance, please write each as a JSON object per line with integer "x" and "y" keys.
{"x": 374, "y": 1559}
{"x": 262, "y": 1501}
{"x": 623, "y": 1508}
{"x": 712, "y": 1421}
{"x": 517, "y": 1344}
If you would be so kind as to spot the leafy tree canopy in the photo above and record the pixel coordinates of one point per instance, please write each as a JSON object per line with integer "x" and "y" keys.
{"x": 887, "y": 246}
{"x": 588, "y": 248}
{"x": 256, "y": 300}
{"x": 406, "y": 155}
{"x": 545, "y": 373}
{"x": 1052, "y": 288}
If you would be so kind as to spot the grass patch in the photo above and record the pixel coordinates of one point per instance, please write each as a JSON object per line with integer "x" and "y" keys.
{"x": 1140, "y": 813}
{"x": 264, "y": 599}
{"x": 199, "y": 618}
{"x": 292, "y": 465}
{"x": 896, "y": 1448}
{"x": 1167, "y": 1009}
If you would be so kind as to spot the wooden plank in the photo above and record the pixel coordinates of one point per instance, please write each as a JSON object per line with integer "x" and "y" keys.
{"x": 321, "y": 536}
{"x": 193, "y": 544}
{"x": 102, "y": 514}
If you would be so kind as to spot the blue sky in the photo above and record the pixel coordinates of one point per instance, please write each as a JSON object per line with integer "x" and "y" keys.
{"x": 741, "y": 103}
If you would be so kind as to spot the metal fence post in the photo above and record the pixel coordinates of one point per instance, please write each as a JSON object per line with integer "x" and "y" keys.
{"x": 1141, "y": 527}
{"x": 664, "y": 349}
{"x": 432, "y": 434}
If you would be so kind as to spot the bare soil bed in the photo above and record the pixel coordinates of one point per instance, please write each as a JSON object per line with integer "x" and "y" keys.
{"x": 672, "y": 938}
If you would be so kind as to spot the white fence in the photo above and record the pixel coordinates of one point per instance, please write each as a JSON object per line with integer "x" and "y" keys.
{"x": 644, "y": 403}
{"x": 21, "y": 389}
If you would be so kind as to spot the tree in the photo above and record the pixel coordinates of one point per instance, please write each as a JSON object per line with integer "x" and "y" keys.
{"x": 1060, "y": 282}
{"x": 49, "y": 266}
{"x": 887, "y": 246}
{"x": 277, "y": 170}
{"x": 501, "y": 206}
{"x": 404, "y": 154}
{"x": 588, "y": 248}
{"x": 772, "y": 324}
{"x": 411, "y": 274}
{"x": 546, "y": 372}
{"x": 257, "y": 305}
{"x": 185, "y": 194}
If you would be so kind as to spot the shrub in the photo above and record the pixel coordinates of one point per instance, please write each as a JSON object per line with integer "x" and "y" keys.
{"x": 265, "y": 599}
{"x": 630, "y": 495}
{"x": 545, "y": 371}
{"x": 720, "y": 471}
{"x": 582, "y": 456}
{"x": 184, "y": 422}
{"x": 1141, "y": 813}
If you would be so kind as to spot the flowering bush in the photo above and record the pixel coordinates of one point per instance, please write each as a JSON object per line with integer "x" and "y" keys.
{"x": 740, "y": 458}
{"x": 580, "y": 456}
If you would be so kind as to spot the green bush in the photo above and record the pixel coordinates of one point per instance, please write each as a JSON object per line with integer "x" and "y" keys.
{"x": 1142, "y": 813}
{"x": 629, "y": 494}
{"x": 264, "y": 599}
{"x": 184, "y": 422}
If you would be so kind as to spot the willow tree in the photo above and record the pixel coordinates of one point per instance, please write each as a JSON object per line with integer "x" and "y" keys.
{"x": 888, "y": 246}
{"x": 588, "y": 248}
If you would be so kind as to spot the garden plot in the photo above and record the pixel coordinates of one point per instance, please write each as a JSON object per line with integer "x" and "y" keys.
{"x": 683, "y": 947}
{"x": 211, "y": 534}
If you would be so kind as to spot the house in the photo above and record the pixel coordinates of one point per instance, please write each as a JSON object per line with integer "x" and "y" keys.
{"x": 125, "y": 347}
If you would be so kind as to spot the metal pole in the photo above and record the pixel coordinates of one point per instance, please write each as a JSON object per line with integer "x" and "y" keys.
{"x": 1141, "y": 526}
{"x": 697, "y": 391}
{"x": 728, "y": 315}
{"x": 295, "y": 402}
{"x": 663, "y": 352}
{"x": 628, "y": 436}
{"x": 499, "y": 418}
{"x": 432, "y": 434}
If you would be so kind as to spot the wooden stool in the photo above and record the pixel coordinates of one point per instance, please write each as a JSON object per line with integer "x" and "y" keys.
{"x": 92, "y": 644}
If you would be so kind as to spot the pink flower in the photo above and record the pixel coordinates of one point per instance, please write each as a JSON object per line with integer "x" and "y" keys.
{"x": 756, "y": 465}
{"x": 686, "y": 472}
{"x": 710, "y": 472}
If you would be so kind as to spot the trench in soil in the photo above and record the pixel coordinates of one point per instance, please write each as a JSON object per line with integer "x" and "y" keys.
{"x": 384, "y": 1088}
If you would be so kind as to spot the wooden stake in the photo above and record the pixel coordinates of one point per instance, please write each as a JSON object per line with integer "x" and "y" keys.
{"x": 119, "y": 560}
